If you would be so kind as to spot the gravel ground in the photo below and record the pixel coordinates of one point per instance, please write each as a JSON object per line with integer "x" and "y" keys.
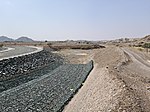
{"x": 136, "y": 75}
{"x": 104, "y": 90}
{"x": 49, "y": 93}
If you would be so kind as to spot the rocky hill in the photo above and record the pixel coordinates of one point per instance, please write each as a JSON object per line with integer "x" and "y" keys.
{"x": 24, "y": 39}
{"x": 4, "y": 39}
{"x": 21, "y": 39}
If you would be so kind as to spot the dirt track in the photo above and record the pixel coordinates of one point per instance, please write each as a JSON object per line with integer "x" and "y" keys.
{"x": 136, "y": 74}
{"x": 117, "y": 83}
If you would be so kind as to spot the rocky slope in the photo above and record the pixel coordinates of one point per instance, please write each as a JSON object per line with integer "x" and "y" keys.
{"x": 24, "y": 39}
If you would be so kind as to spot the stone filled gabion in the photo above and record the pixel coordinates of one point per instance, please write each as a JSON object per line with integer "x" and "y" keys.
{"x": 8, "y": 84}
{"x": 12, "y": 67}
{"x": 49, "y": 93}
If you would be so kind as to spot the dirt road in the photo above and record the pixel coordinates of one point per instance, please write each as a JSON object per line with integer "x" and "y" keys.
{"x": 119, "y": 81}
{"x": 136, "y": 75}
{"x": 139, "y": 64}
{"x": 15, "y": 51}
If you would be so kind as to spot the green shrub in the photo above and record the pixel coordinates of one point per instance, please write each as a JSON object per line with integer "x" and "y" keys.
{"x": 146, "y": 45}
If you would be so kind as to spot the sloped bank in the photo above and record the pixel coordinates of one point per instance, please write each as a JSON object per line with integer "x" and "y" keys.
{"x": 49, "y": 93}
{"x": 19, "y": 70}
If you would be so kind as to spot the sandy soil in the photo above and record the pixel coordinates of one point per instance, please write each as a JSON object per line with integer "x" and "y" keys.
{"x": 109, "y": 86}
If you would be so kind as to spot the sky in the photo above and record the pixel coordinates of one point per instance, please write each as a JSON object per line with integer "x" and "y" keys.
{"x": 74, "y": 19}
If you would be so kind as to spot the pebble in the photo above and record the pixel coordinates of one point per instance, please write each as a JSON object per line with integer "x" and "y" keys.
{"x": 148, "y": 88}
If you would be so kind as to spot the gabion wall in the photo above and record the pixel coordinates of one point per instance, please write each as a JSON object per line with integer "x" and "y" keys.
{"x": 49, "y": 93}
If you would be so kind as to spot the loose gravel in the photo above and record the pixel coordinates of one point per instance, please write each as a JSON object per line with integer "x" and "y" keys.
{"x": 49, "y": 93}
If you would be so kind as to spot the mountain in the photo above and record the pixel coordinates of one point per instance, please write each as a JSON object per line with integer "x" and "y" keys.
{"x": 24, "y": 39}
{"x": 4, "y": 39}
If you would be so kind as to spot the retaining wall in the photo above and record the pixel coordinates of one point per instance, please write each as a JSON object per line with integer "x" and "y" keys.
{"x": 49, "y": 93}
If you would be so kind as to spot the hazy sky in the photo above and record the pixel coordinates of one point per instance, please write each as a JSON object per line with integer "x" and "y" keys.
{"x": 74, "y": 19}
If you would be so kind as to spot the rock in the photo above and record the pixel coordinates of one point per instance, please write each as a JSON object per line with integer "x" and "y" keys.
{"x": 115, "y": 67}
{"x": 24, "y": 64}
{"x": 48, "y": 93}
{"x": 124, "y": 86}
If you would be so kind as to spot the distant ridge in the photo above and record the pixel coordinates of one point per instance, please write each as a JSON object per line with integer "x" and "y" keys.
{"x": 146, "y": 38}
{"x": 21, "y": 39}
{"x": 4, "y": 39}
{"x": 24, "y": 39}
{"x": 143, "y": 40}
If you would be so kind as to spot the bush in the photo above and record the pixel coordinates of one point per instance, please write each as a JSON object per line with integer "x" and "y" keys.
{"x": 1, "y": 45}
{"x": 146, "y": 45}
{"x": 49, "y": 44}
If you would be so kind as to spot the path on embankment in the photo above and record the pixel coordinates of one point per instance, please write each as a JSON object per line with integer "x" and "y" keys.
{"x": 15, "y": 51}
